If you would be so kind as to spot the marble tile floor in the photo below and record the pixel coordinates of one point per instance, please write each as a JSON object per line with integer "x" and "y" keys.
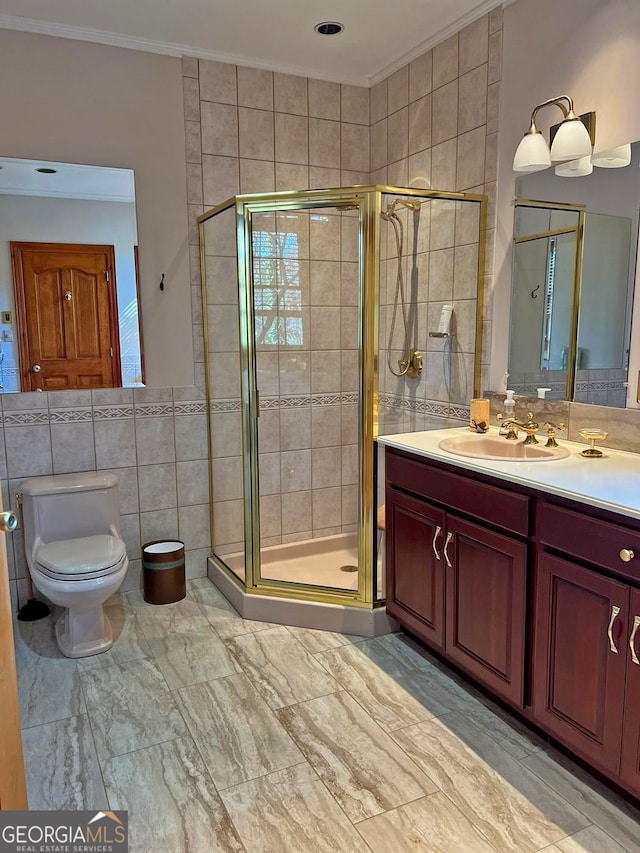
{"x": 221, "y": 734}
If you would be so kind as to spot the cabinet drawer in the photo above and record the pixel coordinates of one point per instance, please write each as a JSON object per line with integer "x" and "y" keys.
{"x": 590, "y": 539}
{"x": 499, "y": 507}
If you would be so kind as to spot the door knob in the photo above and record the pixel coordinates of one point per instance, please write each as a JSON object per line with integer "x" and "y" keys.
{"x": 8, "y": 522}
{"x": 627, "y": 555}
{"x": 36, "y": 368}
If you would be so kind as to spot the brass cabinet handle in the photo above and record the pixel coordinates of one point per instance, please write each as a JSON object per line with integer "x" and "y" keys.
{"x": 626, "y": 555}
{"x": 446, "y": 546}
{"x": 636, "y": 625}
{"x": 435, "y": 538}
{"x": 614, "y": 615}
{"x": 8, "y": 522}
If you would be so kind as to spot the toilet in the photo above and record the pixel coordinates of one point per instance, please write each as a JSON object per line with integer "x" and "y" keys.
{"x": 75, "y": 554}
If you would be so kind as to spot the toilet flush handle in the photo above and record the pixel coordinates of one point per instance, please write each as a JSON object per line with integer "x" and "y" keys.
{"x": 8, "y": 522}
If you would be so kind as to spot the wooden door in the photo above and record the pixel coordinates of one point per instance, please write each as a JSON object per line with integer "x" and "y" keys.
{"x": 13, "y": 792}
{"x": 581, "y": 623}
{"x": 486, "y": 578}
{"x": 67, "y": 316}
{"x": 415, "y": 590}
{"x": 630, "y": 763}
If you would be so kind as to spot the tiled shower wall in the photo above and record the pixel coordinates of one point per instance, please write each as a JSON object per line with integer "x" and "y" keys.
{"x": 154, "y": 440}
{"x": 434, "y": 124}
{"x": 255, "y": 131}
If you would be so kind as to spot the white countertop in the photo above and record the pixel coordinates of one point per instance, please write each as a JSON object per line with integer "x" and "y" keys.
{"x": 611, "y": 483}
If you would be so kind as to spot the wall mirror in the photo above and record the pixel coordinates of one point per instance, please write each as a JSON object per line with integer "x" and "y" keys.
{"x": 573, "y": 276}
{"x": 69, "y": 291}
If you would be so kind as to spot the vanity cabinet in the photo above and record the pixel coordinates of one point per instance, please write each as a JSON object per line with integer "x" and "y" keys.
{"x": 457, "y": 585}
{"x": 586, "y": 682}
{"x": 535, "y": 597}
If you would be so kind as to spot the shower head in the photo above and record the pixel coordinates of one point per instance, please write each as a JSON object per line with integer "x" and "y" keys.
{"x": 400, "y": 202}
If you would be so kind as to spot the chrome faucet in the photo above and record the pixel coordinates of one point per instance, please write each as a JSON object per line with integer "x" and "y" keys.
{"x": 530, "y": 427}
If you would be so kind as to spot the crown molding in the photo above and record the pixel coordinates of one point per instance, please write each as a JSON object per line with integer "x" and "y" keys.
{"x": 435, "y": 39}
{"x": 47, "y": 28}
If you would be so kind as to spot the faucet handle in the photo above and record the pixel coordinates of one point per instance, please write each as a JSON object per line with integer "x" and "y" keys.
{"x": 551, "y": 433}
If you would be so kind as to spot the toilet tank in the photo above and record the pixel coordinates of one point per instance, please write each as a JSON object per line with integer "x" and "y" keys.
{"x": 68, "y": 506}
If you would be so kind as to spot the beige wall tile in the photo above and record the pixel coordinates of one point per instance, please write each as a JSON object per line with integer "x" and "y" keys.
{"x": 354, "y": 147}
{"x": 255, "y": 88}
{"x": 495, "y": 57}
{"x": 326, "y": 463}
{"x": 220, "y": 179}
{"x": 296, "y": 512}
{"x": 420, "y": 76}
{"x": 443, "y": 165}
{"x": 193, "y": 146}
{"x": 325, "y": 329}
{"x": 321, "y": 177}
{"x": 324, "y": 239}
{"x": 398, "y": 89}
{"x": 470, "y": 162}
{"x": 292, "y": 138}
{"x": 379, "y": 157}
{"x": 219, "y": 129}
{"x": 324, "y": 99}
{"x": 325, "y": 426}
{"x": 398, "y": 135}
{"x": 445, "y": 113}
{"x": 256, "y": 132}
{"x": 419, "y": 174}
{"x": 291, "y": 176}
{"x": 218, "y": 82}
{"x": 325, "y": 372}
{"x": 378, "y": 101}
{"x": 327, "y": 507}
{"x": 191, "y": 92}
{"x": 473, "y": 45}
{"x": 257, "y": 176}
{"x": 324, "y": 143}
{"x": 295, "y": 428}
{"x": 445, "y": 61}
{"x": 354, "y": 104}
{"x": 325, "y": 282}
{"x": 296, "y": 470}
{"x": 472, "y": 99}
{"x": 290, "y": 94}
{"x": 420, "y": 124}
{"x": 493, "y": 101}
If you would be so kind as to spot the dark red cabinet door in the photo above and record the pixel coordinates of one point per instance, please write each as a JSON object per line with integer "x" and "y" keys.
{"x": 630, "y": 763}
{"x": 415, "y": 592}
{"x": 485, "y": 606}
{"x": 581, "y": 623}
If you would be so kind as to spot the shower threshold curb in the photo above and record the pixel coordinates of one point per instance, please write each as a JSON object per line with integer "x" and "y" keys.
{"x": 340, "y": 618}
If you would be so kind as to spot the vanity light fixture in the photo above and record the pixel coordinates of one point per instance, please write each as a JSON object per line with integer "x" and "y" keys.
{"x": 575, "y": 168}
{"x": 572, "y": 141}
{"x": 614, "y": 158}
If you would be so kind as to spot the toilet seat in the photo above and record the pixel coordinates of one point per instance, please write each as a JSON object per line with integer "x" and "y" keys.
{"x": 80, "y": 559}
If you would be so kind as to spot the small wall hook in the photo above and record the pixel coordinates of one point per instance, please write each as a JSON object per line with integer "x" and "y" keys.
{"x": 162, "y": 282}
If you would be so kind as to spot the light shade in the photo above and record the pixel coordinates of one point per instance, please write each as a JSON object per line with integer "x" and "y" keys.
{"x": 614, "y": 158}
{"x": 575, "y": 168}
{"x": 571, "y": 142}
{"x": 532, "y": 155}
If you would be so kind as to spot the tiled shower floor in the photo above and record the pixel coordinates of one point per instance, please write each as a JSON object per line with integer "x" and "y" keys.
{"x": 219, "y": 734}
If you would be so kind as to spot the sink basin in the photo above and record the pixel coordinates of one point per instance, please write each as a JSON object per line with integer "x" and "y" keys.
{"x": 494, "y": 447}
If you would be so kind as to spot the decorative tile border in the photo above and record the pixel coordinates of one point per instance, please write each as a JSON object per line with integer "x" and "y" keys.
{"x": 394, "y": 403}
{"x": 29, "y": 417}
{"x": 112, "y": 413}
{"x": 153, "y": 410}
{"x": 70, "y": 416}
{"x": 190, "y": 408}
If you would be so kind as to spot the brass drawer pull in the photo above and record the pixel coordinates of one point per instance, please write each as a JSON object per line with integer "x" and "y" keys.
{"x": 446, "y": 547}
{"x": 636, "y": 625}
{"x": 435, "y": 539}
{"x": 614, "y": 615}
{"x": 626, "y": 555}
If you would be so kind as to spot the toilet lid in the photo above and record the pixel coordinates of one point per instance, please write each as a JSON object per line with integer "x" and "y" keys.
{"x": 93, "y": 555}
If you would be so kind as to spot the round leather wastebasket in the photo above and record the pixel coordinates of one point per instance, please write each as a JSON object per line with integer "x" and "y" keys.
{"x": 163, "y": 571}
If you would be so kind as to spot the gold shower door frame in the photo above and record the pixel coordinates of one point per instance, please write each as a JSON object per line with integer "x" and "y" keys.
{"x": 368, "y": 200}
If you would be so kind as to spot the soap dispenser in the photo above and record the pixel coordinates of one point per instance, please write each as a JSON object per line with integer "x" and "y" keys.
{"x": 509, "y": 412}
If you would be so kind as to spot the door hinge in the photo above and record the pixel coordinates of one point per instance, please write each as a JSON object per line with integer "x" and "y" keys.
{"x": 111, "y": 351}
{"x": 106, "y": 275}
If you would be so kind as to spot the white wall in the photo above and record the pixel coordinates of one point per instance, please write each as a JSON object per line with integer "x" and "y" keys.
{"x": 589, "y": 49}
{"x": 78, "y": 102}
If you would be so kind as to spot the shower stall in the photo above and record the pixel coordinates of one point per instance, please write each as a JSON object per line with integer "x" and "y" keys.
{"x": 323, "y": 328}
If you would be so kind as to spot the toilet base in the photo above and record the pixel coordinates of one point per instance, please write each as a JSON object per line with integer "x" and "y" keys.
{"x": 83, "y": 633}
